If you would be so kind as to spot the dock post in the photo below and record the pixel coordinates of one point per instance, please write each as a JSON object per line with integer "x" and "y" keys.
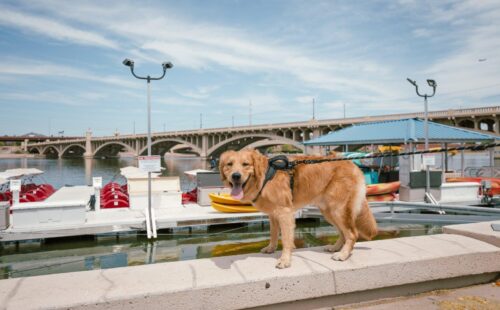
{"x": 15, "y": 188}
{"x": 15, "y": 197}
{"x": 148, "y": 224}
{"x": 153, "y": 224}
{"x": 97, "y": 184}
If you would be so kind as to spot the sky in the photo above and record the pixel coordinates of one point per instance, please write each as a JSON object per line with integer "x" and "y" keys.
{"x": 62, "y": 61}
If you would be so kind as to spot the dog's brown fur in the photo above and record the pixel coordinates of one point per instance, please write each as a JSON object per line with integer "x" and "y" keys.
{"x": 337, "y": 188}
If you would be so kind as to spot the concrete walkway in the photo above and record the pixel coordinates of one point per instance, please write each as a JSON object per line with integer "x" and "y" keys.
{"x": 377, "y": 269}
{"x": 481, "y": 231}
{"x": 477, "y": 297}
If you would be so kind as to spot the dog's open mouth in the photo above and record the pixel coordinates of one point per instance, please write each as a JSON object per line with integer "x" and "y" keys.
{"x": 237, "y": 190}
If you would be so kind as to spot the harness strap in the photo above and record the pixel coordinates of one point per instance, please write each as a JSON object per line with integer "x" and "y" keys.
{"x": 276, "y": 163}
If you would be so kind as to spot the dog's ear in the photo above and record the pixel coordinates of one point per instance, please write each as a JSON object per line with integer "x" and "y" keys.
{"x": 222, "y": 163}
{"x": 259, "y": 164}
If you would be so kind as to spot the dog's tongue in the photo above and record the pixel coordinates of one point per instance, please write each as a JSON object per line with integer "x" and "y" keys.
{"x": 237, "y": 192}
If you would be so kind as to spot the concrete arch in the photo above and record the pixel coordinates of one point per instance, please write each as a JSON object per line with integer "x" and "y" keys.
{"x": 271, "y": 137}
{"x": 128, "y": 147}
{"x": 486, "y": 124}
{"x": 178, "y": 141}
{"x": 326, "y": 131}
{"x": 263, "y": 143}
{"x": 70, "y": 146}
{"x": 467, "y": 123}
{"x": 48, "y": 147}
{"x": 37, "y": 149}
{"x": 179, "y": 147}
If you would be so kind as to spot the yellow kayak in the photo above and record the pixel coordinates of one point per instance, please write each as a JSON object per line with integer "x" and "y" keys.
{"x": 233, "y": 208}
{"x": 225, "y": 199}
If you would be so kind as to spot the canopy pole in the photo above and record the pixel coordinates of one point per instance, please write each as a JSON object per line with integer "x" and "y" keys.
{"x": 462, "y": 160}
{"x": 446, "y": 157}
{"x": 412, "y": 162}
{"x": 492, "y": 161}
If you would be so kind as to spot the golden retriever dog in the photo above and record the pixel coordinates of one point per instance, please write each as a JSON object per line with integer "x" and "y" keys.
{"x": 337, "y": 188}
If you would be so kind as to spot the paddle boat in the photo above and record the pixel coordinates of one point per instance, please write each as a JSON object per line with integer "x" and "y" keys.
{"x": 29, "y": 190}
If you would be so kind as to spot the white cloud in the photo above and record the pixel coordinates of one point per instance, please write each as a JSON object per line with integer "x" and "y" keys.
{"x": 200, "y": 45}
{"x": 461, "y": 69}
{"x": 199, "y": 93}
{"x": 51, "y": 97}
{"x": 53, "y": 29}
{"x": 422, "y": 32}
{"x": 29, "y": 67}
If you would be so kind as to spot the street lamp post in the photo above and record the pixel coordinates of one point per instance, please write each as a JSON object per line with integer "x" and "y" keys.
{"x": 166, "y": 65}
{"x": 432, "y": 84}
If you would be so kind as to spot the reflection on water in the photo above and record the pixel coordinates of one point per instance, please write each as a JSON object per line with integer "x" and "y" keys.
{"x": 88, "y": 253}
{"x": 79, "y": 171}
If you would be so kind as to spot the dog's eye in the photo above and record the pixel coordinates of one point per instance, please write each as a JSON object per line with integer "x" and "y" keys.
{"x": 230, "y": 164}
{"x": 246, "y": 164}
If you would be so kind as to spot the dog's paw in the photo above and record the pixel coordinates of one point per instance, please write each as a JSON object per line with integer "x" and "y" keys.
{"x": 340, "y": 256}
{"x": 268, "y": 249}
{"x": 283, "y": 263}
{"x": 332, "y": 248}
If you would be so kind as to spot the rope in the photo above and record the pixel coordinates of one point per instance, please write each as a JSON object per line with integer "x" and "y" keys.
{"x": 474, "y": 148}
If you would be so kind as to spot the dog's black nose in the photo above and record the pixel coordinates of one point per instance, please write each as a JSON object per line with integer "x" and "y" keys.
{"x": 236, "y": 176}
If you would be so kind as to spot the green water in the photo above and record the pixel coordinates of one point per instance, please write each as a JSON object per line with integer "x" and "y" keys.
{"x": 88, "y": 253}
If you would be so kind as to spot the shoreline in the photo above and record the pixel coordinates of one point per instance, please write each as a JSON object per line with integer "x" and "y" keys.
{"x": 15, "y": 156}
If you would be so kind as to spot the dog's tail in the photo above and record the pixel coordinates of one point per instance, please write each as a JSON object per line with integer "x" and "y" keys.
{"x": 365, "y": 222}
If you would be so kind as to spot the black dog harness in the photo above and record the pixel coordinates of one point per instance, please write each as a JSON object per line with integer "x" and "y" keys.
{"x": 276, "y": 163}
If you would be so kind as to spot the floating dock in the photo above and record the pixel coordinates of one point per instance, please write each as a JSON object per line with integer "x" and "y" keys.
{"x": 128, "y": 220}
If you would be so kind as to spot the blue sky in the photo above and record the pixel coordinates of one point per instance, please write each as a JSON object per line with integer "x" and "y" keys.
{"x": 61, "y": 61}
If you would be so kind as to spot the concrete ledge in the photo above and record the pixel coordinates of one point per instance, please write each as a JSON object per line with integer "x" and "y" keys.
{"x": 481, "y": 231}
{"x": 243, "y": 281}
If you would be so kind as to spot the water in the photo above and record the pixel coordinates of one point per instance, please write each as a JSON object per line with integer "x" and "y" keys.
{"x": 79, "y": 171}
{"x": 89, "y": 253}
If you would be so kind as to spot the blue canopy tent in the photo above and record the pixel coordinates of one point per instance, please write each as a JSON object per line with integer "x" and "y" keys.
{"x": 404, "y": 131}
{"x": 409, "y": 130}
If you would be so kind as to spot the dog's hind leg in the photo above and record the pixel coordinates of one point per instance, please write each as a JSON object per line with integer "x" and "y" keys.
{"x": 346, "y": 225}
{"x": 286, "y": 221}
{"x": 274, "y": 234}
{"x": 340, "y": 241}
{"x": 350, "y": 236}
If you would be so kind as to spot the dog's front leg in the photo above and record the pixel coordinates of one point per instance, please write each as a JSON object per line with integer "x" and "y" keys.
{"x": 286, "y": 221}
{"x": 274, "y": 234}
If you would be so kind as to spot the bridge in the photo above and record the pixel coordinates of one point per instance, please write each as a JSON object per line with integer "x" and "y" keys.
{"x": 212, "y": 142}
{"x": 32, "y": 138}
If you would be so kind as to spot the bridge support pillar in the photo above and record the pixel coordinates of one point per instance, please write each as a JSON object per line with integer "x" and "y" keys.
{"x": 137, "y": 148}
{"x": 88, "y": 145}
{"x": 204, "y": 147}
{"x": 24, "y": 145}
{"x": 497, "y": 126}
{"x": 316, "y": 150}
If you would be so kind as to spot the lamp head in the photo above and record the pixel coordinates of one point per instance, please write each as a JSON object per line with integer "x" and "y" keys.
{"x": 167, "y": 65}
{"x": 412, "y": 82}
{"x": 432, "y": 83}
{"x": 128, "y": 62}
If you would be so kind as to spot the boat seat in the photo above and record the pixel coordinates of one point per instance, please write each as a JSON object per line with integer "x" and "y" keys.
{"x": 115, "y": 203}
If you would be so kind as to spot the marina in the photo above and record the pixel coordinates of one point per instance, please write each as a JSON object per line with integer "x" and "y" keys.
{"x": 145, "y": 200}
{"x": 249, "y": 155}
